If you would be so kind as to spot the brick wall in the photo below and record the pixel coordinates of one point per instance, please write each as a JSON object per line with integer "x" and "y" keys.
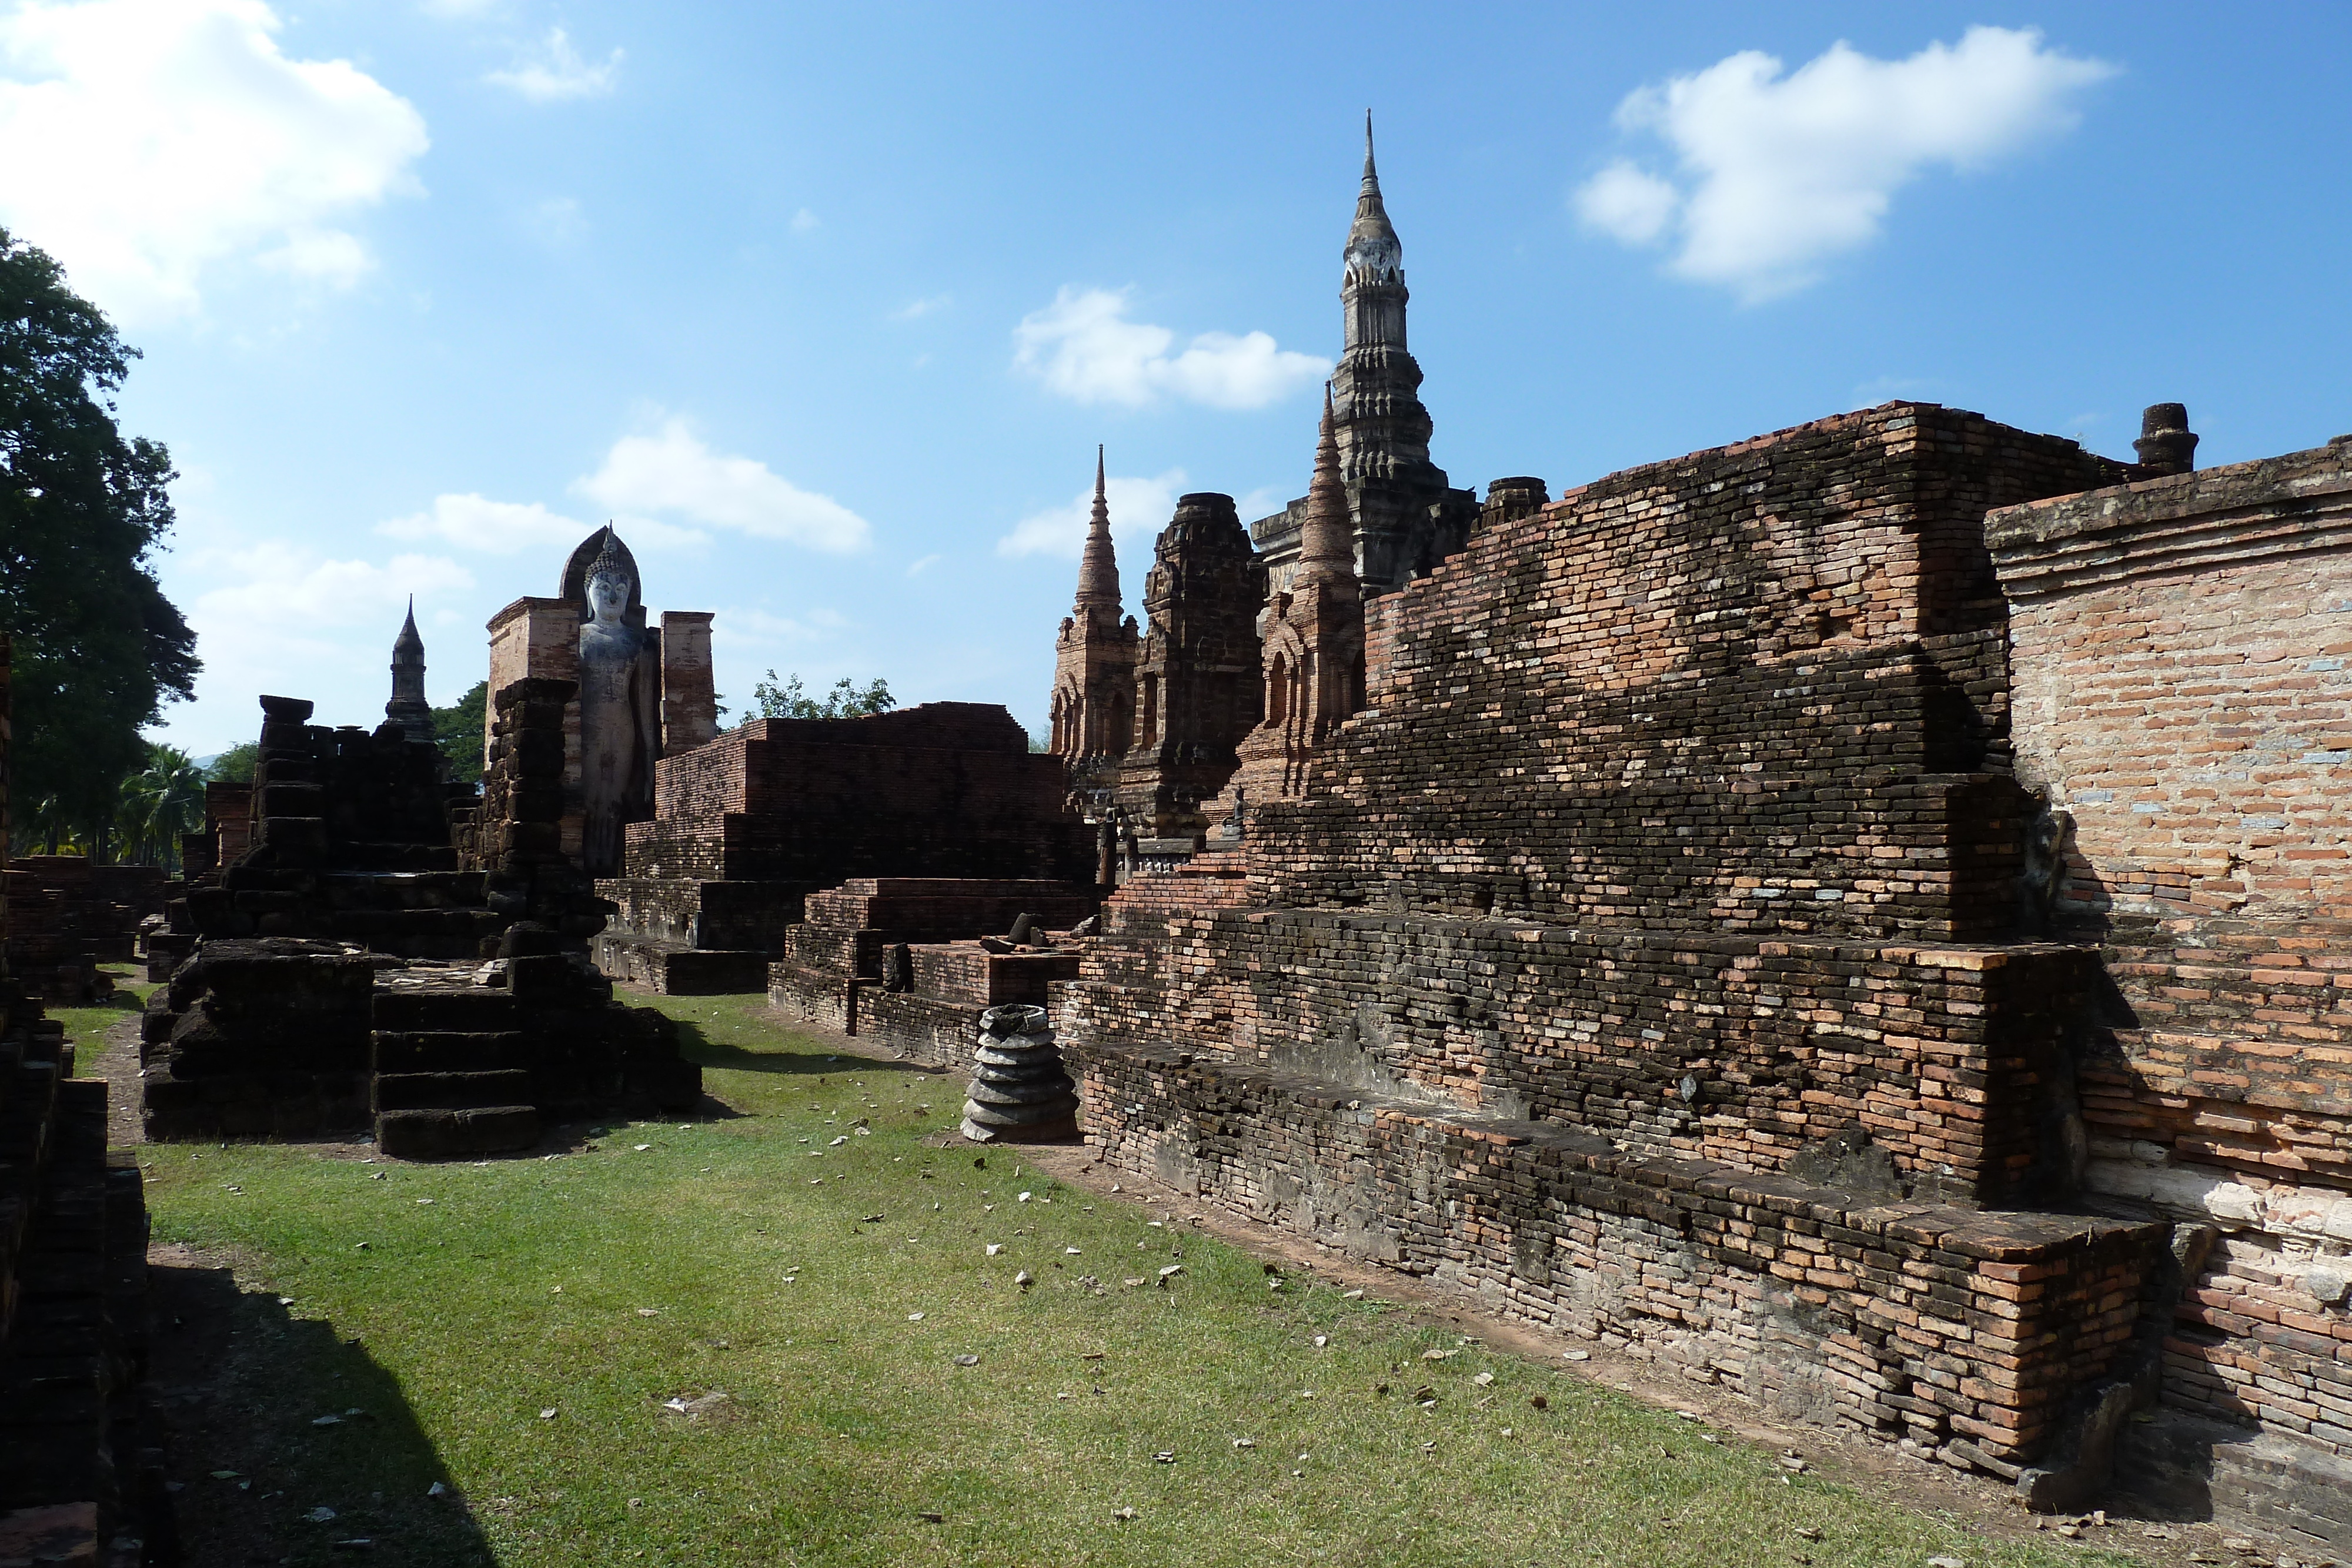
{"x": 2178, "y": 651}
{"x": 1756, "y": 688}
{"x": 1967, "y": 1331}
{"x": 1655, "y": 933}
{"x": 943, "y": 789}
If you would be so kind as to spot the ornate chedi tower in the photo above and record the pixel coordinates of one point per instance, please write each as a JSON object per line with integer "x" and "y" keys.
{"x": 408, "y": 709}
{"x": 1313, "y": 642}
{"x": 1094, "y": 666}
{"x": 1197, "y": 686}
{"x": 1405, "y": 517}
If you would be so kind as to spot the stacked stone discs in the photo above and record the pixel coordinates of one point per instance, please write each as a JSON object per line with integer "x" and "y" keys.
{"x": 1019, "y": 1092}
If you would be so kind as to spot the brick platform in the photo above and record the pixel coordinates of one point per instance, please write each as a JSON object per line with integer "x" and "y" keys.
{"x": 1647, "y": 955}
{"x": 837, "y": 966}
{"x": 749, "y": 826}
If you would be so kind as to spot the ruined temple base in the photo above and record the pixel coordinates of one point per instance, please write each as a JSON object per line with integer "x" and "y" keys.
{"x": 292, "y": 1039}
{"x": 896, "y": 960}
{"x": 1963, "y": 1330}
{"x": 674, "y": 969}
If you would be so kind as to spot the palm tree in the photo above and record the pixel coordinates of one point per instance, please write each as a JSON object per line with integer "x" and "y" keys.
{"x": 159, "y": 804}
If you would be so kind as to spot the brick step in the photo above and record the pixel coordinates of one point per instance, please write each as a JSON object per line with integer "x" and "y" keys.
{"x": 450, "y": 1050}
{"x": 472, "y": 1010}
{"x": 467, "y": 923}
{"x": 395, "y": 856}
{"x": 451, "y": 1090}
{"x": 447, "y": 1133}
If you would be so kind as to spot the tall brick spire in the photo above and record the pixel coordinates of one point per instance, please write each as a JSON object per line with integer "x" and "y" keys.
{"x": 1093, "y": 707}
{"x": 1327, "y": 543}
{"x": 1098, "y": 567}
{"x": 409, "y": 708}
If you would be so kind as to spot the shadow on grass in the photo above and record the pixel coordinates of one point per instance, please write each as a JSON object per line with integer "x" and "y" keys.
{"x": 246, "y": 1387}
{"x": 809, "y": 1063}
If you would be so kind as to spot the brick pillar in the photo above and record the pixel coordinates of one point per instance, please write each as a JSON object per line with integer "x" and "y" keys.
{"x": 689, "y": 702}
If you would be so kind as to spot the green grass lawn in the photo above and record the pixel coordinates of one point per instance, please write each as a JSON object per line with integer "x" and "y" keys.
{"x": 828, "y": 1287}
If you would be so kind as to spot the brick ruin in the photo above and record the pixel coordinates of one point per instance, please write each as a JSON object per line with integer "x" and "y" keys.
{"x": 1744, "y": 918}
{"x": 80, "y": 1467}
{"x": 901, "y": 961}
{"x": 2178, "y": 651}
{"x": 73, "y": 914}
{"x": 389, "y": 954}
{"x": 757, "y": 872}
{"x": 1197, "y": 688}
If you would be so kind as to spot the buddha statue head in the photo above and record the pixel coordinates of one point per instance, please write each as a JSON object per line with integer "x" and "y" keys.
{"x": 610, "y": 580}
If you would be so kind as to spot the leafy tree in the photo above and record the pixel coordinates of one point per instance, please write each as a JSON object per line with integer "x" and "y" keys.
{"x": 458, "y": 729}
{"x": 844, "y": 701}
{"x": 98, "y": 650}
{"x": 236, "y": 765}
{"x": 159, "y": 803}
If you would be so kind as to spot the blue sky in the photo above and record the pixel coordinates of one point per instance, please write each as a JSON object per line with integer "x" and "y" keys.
{"x": 829, "y": 306}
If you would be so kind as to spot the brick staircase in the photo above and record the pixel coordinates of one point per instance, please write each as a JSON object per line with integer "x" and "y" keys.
{"x": 452, "y": 1074}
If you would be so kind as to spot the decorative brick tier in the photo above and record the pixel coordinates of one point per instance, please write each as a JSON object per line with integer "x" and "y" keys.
{"x": 1721, "y": 1047}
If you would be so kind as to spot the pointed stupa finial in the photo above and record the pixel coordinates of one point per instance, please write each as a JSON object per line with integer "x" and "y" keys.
{"x": 408, "y": 642}
{"x": 1373, "y": 255}
{"x": 1098, "y": 567}
{"x": 1327, "y": 539}
{"x": 408, "y": 710}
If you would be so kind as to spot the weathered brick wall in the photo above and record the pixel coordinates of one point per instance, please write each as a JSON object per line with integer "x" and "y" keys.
{"x": 1756, "y": 688}
{"x": 2178, "y": 652}
{"x": 1677, "y": 828}
{"x": 943, "y": 790}
{"x": 1965, "y": 1330}
{"x": 1727, "y": 1048}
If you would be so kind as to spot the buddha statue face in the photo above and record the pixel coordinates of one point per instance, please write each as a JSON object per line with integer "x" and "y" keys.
{"x": 608, "y": 596}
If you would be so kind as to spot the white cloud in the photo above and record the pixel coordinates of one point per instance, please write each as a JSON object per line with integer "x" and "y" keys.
{"x": 807, "y": 221}
{"x": 673, "y": 472}
{"x": 921, "y": 564}
{"x": 1139, "y": 508}
{"x": 292, "y": 621}
{"x": 555, "y": 71}
{"x": 922, "y": 308}
{"x": 1083, "y": 346}
{"x": 1628, "y": 204}
{"x": 508, "y": 528}
{"x": 556, "y": 221}
{"x": 1774, "y": 174}
{"x": 147, "y": 140}
{"x": 738, "y": 627}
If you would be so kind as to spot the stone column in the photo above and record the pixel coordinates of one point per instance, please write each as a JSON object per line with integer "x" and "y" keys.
{"x": 689, "y": 702}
